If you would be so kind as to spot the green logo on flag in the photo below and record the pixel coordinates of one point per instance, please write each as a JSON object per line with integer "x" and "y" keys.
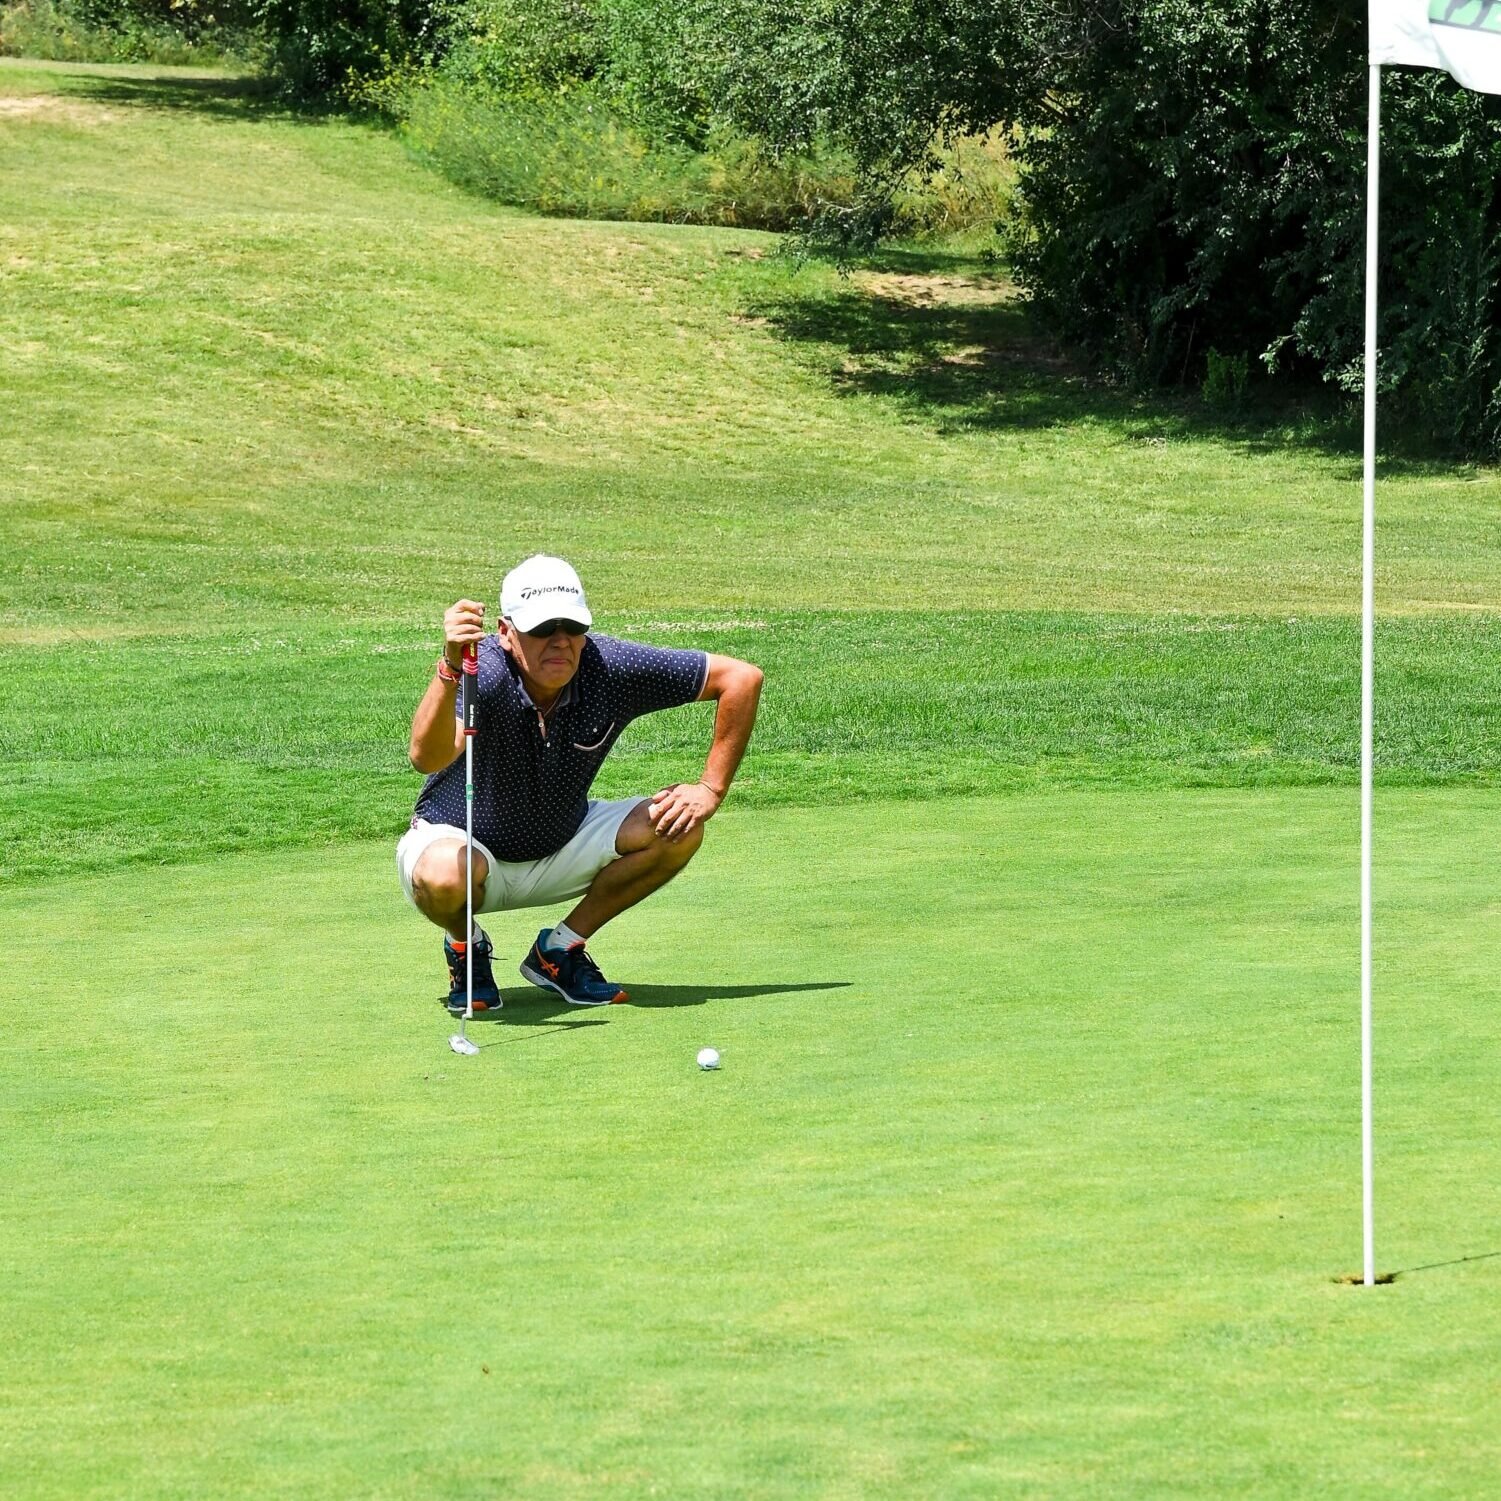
{"x": 1472, "y": 15}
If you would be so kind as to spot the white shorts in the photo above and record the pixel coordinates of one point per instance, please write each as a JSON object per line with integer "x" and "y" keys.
{"x": 558, "y": 877}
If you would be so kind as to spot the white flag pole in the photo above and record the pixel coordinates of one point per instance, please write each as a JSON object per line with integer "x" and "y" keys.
{"x": 1368, "y": 672}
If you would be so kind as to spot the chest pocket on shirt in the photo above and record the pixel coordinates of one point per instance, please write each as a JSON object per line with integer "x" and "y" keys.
{"x": 595, "y": 742}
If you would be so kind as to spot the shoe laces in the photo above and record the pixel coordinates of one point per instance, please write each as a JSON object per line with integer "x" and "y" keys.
{"x": 483, "y": 950}
{"x": 586, "y": 967}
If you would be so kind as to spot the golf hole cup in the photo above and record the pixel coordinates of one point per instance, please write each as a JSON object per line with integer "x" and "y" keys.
{"x": 708, "y": 1058}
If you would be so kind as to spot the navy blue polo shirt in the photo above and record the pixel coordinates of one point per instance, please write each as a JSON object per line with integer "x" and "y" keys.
{"x": 531, "y": 784}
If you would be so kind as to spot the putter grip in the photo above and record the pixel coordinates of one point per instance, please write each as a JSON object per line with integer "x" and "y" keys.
{"x": 469, "y": 686}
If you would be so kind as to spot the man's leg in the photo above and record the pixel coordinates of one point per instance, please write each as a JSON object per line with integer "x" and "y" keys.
{"x": 438, "y": 885}
{"x": 647, "y": 862}
{"x": 644, "y": 862}
{"x": 438, "y": 891}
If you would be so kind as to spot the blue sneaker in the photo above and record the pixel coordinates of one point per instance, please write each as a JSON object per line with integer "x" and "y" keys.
{"x": 486, "y": 992}
{"x": 570, "y": 972}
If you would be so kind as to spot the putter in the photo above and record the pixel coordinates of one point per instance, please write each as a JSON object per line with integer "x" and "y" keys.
{"x": 459, "y": 1041}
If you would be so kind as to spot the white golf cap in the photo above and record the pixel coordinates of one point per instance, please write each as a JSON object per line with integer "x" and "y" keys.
{"x": 543, "y": 588}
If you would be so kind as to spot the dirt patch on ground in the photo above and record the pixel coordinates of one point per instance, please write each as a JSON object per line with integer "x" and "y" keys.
{"x": 53, "y": 107}
{"x": 936, "y": 291}
{"x": 1022, "y": 351}
{"x": 976, "y": 315}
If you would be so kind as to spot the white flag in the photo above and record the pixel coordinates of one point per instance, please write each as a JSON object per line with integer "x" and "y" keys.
{"x": 1463, "y": 37}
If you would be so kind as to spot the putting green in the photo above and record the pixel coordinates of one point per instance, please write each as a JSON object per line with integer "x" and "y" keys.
{"x": 1032, "y": 1158}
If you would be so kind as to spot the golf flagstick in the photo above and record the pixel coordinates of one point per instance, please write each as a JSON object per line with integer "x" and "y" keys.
{"x": 460, "y": 1042}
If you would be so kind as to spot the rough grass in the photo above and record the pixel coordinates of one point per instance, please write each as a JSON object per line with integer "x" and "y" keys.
{"x": 165, "y": 748}
{"x": 569, "y": 155}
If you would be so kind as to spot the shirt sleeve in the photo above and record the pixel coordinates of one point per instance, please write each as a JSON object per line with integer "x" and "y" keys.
{"x": 648, "y": 678}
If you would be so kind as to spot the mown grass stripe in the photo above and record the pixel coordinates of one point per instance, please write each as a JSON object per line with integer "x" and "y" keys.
{"x": 173, "y": 747}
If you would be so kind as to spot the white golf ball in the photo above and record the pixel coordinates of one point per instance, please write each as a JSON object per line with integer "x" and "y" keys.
{"x": 708, "y": 1057}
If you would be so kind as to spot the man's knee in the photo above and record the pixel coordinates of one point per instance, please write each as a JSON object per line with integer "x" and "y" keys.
{"x": 637, "y": 834}
{"x": 435, "y": 887}
{"x": 680, "y": 851}
{"x": 666, "y": 854}
{"x": 438, "y": 878}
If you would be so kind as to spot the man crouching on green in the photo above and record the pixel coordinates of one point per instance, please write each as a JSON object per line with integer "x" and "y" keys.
{"x": 552, "y": 699}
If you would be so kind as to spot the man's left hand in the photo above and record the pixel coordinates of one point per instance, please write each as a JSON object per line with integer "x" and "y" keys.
{"x": 681, "y": 808}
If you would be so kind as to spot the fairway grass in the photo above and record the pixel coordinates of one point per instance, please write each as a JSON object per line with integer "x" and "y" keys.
{"x": 1033, "y": 1157}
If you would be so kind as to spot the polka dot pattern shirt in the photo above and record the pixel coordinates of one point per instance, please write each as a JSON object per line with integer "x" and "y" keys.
{"x": 531, "y": 784}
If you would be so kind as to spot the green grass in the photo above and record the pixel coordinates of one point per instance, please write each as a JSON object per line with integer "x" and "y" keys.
{"x": 171, "y": 747}
{"x": 1036, "y": 1146}
{"x": 281, "y": 385}
{"x": 1057, "y": 1216}
{"x": 272, "y": 368}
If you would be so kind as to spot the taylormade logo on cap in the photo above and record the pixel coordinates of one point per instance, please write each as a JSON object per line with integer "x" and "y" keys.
{"x": 543, "y": 588}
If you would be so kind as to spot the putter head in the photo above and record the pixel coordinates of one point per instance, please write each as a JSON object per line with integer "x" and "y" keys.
{"x": 461, "y": 1044}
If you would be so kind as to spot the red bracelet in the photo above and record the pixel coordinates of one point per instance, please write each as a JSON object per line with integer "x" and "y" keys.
{"x": 446, "y": 672}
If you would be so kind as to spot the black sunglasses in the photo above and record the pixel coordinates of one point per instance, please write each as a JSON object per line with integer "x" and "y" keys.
{"x": 552, "y": 627}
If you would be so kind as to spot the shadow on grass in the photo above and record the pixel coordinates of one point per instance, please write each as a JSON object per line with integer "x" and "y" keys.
{"x": 540, "y": 1011}
{"x": 1434, "y": 1266}
{"x": 1387, "y": 1279}
{"x": 697, "y": 995}
{"x": 948, "y": 337}
{"x": 233, "y": 97}
{"x": 541, "y": 1022}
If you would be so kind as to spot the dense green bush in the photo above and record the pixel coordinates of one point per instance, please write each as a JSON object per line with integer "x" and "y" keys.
{"x": 526, "y": 49}
{"x": 115, "y": 31}
{"x": 664, "y": 61}
{"x": 648, "y": 62}
{"x": 1440, "y": 327}
{"x": 323, "y": 47}
{"x": 899, "y": 84}
{"x": 1198, "y": 183}
{"x": 604, "y": 108}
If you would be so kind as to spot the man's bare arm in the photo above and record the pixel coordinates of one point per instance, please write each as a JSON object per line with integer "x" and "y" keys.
{"x": 736, "y": 685}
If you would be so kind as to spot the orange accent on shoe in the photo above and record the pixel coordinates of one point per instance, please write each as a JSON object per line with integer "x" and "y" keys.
{"x": 550, "y": 969}
{"x": 458, "y": 948}
{"x": 621, "y": 997}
